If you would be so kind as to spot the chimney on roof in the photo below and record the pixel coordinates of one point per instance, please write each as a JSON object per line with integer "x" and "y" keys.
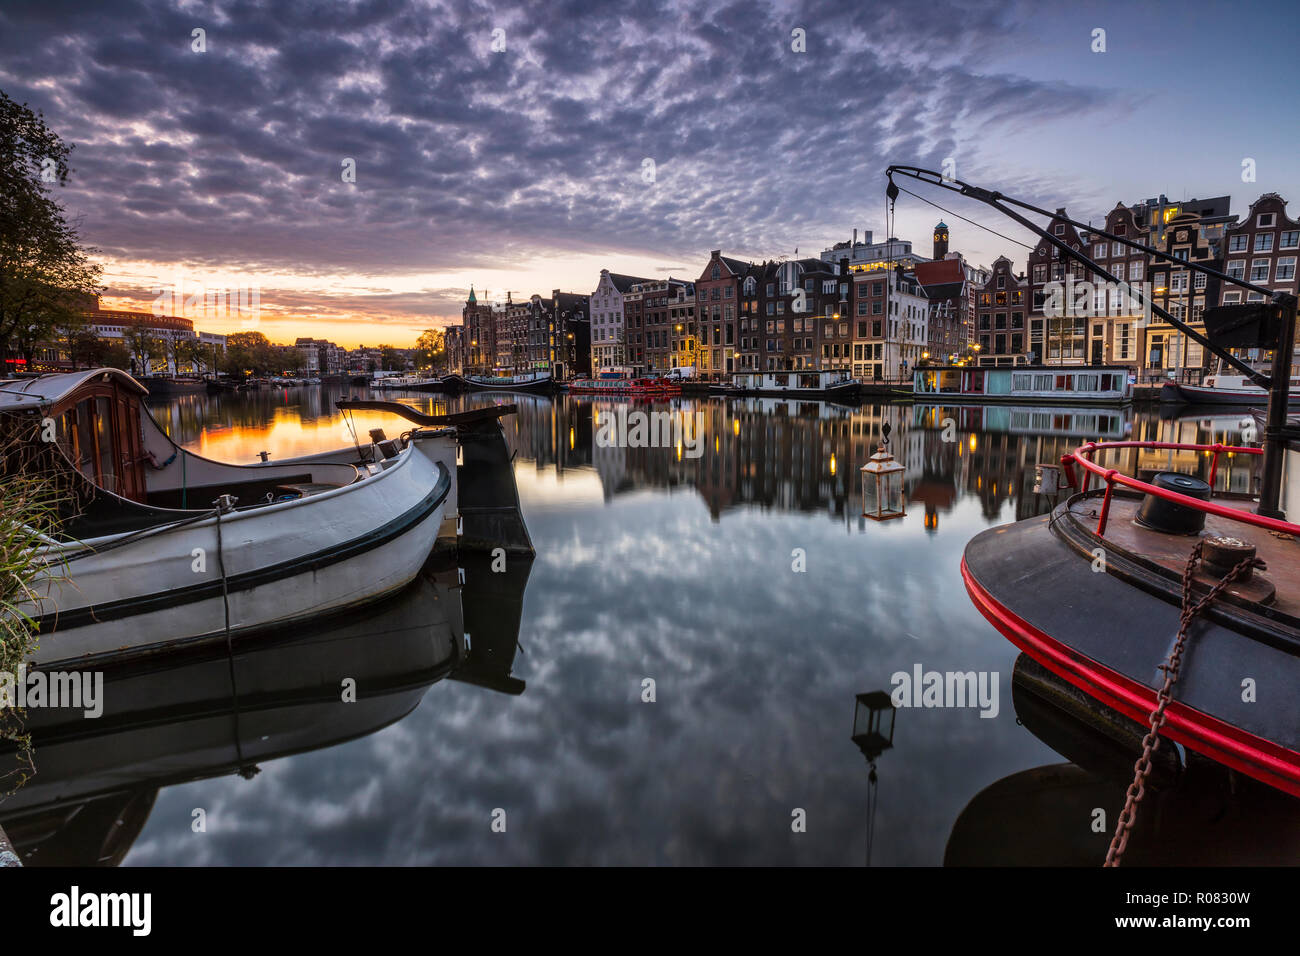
{"x": 855, "y": 237}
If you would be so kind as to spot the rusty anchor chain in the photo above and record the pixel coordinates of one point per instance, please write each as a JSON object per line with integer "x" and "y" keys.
{"x": 1151, "y": 742}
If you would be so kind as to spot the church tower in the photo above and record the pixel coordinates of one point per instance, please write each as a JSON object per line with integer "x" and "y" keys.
{"x": 940, "y": 240}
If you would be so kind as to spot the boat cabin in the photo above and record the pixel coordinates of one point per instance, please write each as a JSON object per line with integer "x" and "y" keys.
{"x": 809, "y": 380}
{"x": 91, "y": 433}
{"x": 1050, "y": 384}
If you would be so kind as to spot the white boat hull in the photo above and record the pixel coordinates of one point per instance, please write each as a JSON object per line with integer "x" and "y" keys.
{"x": 280, "y": 562}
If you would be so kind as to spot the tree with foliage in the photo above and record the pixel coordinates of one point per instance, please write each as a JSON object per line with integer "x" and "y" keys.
{"x": 110, "y": 353}
{"x": 82, "y": 345}
{"x": 249, "y": 352}
{"x": 431, "y": 349}
{"x": 191, "y": 353}
{"x": 143, "y": 345}
{"x": 391, "y": 359}
{"x": 44, "y": 273}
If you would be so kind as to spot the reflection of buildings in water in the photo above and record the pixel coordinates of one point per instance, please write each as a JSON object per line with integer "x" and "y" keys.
{"x": 1234, "y": 473}
{"x": 553, "y": 433}
{"x": 805, "y": 456}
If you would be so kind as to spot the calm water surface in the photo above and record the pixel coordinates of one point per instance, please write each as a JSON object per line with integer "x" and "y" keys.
{"x": 654, "y": 564}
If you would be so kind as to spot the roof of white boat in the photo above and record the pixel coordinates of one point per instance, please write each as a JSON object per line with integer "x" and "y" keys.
{"x": 19, "y": 394}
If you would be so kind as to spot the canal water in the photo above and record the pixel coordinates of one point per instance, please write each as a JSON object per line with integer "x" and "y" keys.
{"x": 692, "y": 637}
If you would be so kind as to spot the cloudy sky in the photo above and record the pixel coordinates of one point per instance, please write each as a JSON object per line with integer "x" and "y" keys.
{"x": 525, "y": 169}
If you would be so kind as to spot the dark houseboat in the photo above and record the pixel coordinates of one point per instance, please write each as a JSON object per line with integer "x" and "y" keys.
{"x": 834, "y": 386}
{"x": 536, "y": 383}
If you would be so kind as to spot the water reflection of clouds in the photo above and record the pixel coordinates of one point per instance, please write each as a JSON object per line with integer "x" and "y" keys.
{"x": 756, "y": 668}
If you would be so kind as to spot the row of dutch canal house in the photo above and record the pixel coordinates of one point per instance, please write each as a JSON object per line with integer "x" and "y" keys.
{"x": 1103, "y": 323}
{"x": 876, "y": 310}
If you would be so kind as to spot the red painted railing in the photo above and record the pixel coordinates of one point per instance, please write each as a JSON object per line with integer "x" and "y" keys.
{"x": 1112, "y": 478}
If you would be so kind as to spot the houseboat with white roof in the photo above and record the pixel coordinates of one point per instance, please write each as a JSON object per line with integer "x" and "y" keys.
{"x": 1024, "y": 385}
{"x": 827, "y": 385}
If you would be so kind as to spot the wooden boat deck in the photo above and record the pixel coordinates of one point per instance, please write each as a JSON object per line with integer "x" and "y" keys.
{"x": 1170, "y": 552}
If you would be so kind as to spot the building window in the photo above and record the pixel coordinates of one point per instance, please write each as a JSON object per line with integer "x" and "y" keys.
{"x": 1100, "y": 252}
{"x": 1237, "y": 243}
{"x": 1264, "y": 220}
{"x": 1263, "y": 242}
{"x": 1285, "y": 269}
{"x": 1290, "y": 239}
{"x": 1259, "y": 269}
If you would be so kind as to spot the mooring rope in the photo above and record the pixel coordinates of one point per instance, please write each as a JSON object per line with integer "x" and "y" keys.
{"x": 1151, "y": 742}
{"x": 246, "y": 770}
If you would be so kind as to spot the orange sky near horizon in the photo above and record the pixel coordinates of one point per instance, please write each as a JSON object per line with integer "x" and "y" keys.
{"x": 356, "y": 310}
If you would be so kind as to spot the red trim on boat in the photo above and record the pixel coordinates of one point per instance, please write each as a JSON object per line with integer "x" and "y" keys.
{"x": 1231, "y": 746}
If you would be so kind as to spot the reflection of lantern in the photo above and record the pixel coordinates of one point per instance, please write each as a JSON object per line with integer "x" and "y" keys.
{"x": 882, "y": 484}
{"x": 868, "y": 724}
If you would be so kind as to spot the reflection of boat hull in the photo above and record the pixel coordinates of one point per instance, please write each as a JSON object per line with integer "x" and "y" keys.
{"x": 1032, "y": 818}
{"x": 202, "y": 714}
{"x": 847, "y": 393}
{"x": 1031, "y": 583}
{"x": 1025, "y": 419}
{"x": 1290, "y": 431}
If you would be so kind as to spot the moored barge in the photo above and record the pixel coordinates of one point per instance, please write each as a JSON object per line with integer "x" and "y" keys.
{"x": 826, "y": 385}
{"x": 1024, "y": 385}
{"x": 537, "y": 383}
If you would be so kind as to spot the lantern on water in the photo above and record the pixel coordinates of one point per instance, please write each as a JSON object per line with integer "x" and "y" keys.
{"x": 882, "y": 483}
{"x": 869, "y": 730}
